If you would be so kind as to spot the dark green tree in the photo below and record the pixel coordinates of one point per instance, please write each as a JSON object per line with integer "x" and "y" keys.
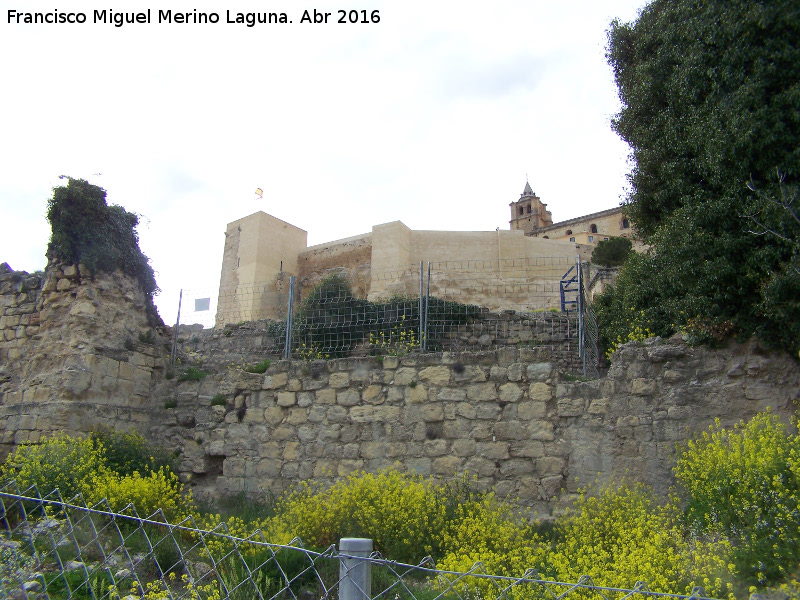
{"x": 85, "y": 230}
{"x": 710, "y": 97}
{"x": 611, "y": 252}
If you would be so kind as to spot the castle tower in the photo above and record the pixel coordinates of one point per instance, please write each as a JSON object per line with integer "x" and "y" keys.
{"x": 529, "y": 213}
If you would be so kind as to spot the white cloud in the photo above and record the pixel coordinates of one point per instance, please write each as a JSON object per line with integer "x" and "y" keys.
{"x": 433, "y": 116}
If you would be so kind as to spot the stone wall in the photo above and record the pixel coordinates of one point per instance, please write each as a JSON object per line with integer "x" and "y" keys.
{"x": 77, "y": 352}
{"x": 554, "y": 334}
{"x": 507, "y": 417}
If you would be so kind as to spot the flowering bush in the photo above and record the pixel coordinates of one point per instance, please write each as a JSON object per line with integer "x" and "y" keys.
{"x": 156, "y": 490}
{"x": 745, "y": 484}
{"x": 402, "y": 513}
{"x": 60, "y": 462}
{"x": 620, "y": 535}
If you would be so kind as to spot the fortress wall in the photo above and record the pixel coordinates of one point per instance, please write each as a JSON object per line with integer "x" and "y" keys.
{"x": 71, "y": 356}
{"x": 351, "y": 256}
{"x": 508, "y": 417}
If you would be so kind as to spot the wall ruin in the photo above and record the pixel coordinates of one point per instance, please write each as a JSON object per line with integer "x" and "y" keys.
{"x": 507, "y": 416}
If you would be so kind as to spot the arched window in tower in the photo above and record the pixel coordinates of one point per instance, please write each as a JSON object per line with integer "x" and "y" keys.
{"x": 520, "y": 211}
{"x": 593, "y": 228}
{"x": 529, "y": 209}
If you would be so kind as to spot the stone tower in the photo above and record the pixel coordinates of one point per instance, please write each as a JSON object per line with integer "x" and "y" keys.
{"x": 529, "y": 213}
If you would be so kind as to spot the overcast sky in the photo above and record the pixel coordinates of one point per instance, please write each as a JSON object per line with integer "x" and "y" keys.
{"x": 434, "y": 116}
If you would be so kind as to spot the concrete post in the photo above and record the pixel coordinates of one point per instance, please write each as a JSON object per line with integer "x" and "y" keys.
{"x": 355, "y": 581}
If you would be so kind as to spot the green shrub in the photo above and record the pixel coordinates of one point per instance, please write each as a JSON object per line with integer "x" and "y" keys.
{"x": 331, "y": 320}
{"x": 611, "y": 252}
{"x": 86, "y": 231}
{"x": 192, "y": 374}
{"x": 258, "y": 367}
{"x": 745, "y": 484}
{"x": 126, "y": 453}
{"x": 219, "y": 400}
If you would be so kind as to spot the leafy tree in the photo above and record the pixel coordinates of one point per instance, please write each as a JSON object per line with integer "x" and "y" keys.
{"x": 86, "y": 231}
{"x": 710, "y": 94}
{"x": 611, "y": 252}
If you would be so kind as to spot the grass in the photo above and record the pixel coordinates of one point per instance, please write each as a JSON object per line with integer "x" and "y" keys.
{"x": 192, "y": 374}
{"x": 260, "y": 367}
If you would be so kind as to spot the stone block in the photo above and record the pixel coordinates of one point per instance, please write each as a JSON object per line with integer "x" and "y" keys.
{"x": 493, "y": 450}
{"x": 294, "y": 385}
{"x": 466, "y": 410}
{"x": 541, "y": 430}
{"x": 339, "y": 380}
{"x": 326, "y": 396}
{"x": 391, "y": 362}
{"x": 540, "y": 392}
{"x": 539, "y": 371}
{"x": 348, "y": 467}
{"x": 643, "y": 387}
{"x": 435, "y": 447}
{"x": 373, "y": 414}
{"x": 463, "y": 448}
{"x": 527, "y": 411}
{"x": 432, "y": 412}
{"x": 373, "y": 394}
{"x": 311, "y": 383}
{"x": 287, "y": 399}
{"x": 550, "y": 465}
{"x": 417, "y": 394}
{"x": 598, "y": 407}
{"x": 405, "y": 375}
{"x": 513, "y": 430}
{"x": 571, "y": 407}
{"x": 480, "y": 466}
{"x": 274, "y": 382}
{"x": 510, "y": 392}
{"x": 337, "y": 414}
{"x": 447, "y": 465}
{"x": 297, "y": 416}
{"x": 485, "y": 410}
{"x": 526, "y": 449}
{"x": 453, "y": 394}
{"x": 268, "y": 467}
{"x": 438, "y": 376}
{"x": 515, "y": 467}
{"x": 348, "y": 398}
{"x": 420, "y": 466}
{"x": 481, "y": 392}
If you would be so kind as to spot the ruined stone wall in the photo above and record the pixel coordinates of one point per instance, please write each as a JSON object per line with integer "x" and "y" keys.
{"x": 76, "y": 353}
{"x": 507, "y": 417}
{"x": 351, "y": 257}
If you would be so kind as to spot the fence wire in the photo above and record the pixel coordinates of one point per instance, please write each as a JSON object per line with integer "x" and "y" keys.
{"x": 55, "y": 549}
{"x": 437, "y": 306}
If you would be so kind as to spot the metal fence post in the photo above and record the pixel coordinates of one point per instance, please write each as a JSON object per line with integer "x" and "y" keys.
{"x": 287, "y": 347}
{"x": 421, "y": 324}
{"x": 355, "y": 578}
{"x": 177, "y": 326}
{"x": 581, "y": 325}
{"x": 427, "y": 304}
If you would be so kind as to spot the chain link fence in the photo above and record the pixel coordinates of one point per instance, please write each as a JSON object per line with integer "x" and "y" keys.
{"x": 430, "y": 307}
{"x": 52, "y": 549}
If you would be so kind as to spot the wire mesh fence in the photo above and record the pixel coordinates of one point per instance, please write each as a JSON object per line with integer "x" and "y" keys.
{"x": 56, "y": 549}
{"x": 429, "y": 307}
